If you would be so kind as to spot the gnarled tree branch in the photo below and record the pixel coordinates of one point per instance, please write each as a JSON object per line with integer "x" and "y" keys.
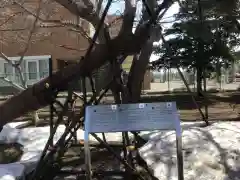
{"x": 128, "y": 17}
{"x": 141, "y": 60}
{"x": 85, "y": 10}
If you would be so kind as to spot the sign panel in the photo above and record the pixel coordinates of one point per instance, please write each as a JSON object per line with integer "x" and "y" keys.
{"x": 131, "y": 117}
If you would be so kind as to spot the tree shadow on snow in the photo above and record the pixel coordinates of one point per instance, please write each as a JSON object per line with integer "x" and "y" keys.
{"x": 198, "y": 152}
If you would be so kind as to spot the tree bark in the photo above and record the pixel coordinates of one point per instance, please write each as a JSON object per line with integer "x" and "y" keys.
{"x": 140, "y": 61}
{"x": 137, "y": 72}
{"x": 19, "y": 88}
{"x": 199, "y": 80}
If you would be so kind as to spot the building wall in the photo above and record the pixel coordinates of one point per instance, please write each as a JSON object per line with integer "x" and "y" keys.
{"x": 59, "y": 42}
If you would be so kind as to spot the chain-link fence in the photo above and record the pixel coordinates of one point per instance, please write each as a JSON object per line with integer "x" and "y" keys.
{"x": 166, "y": 80}
{"x": 170, "y": 80}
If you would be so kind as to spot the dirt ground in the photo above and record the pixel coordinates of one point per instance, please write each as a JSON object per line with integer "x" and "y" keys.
{"x": 221, "y": 106}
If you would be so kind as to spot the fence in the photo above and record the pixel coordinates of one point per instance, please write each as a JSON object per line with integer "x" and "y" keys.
{"x": 161, "y": 82}
{"x": 171, "y": 81}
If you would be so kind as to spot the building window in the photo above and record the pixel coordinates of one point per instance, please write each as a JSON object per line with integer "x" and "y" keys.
{"x": 32, "y": 70}
{"x": 8, "y": 71}
{"x": 43, "y": 68}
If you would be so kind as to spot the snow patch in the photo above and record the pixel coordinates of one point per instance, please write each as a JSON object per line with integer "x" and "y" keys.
{"x": 9, "y": 134}
{"x": 11, "y": 171}
{"x": 209, "y": 153}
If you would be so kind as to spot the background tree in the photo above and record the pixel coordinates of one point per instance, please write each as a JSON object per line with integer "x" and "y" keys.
{"x": 201, "y": 43}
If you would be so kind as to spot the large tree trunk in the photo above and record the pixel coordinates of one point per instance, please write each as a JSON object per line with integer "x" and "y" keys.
{"x": 34, "y": 115}
{"x": 141, "y": 61}
{"x": 199, "y": 80}
{"x": 233, "y": 71}
{"x": 137, "y": 72}
{"x": 218, "y": 72}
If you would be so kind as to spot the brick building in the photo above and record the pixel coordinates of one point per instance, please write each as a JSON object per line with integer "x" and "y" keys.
{"x": 48, "y": 39}
{"x": 62, "y": 43}
{"x": 59, "y": 42}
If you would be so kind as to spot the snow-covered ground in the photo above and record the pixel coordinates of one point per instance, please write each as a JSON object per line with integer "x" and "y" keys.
{"x": 209, "y": 153}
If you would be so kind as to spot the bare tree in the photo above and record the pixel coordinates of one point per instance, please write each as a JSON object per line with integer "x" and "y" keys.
{"x": 21, "y": 24}
{"x": 137, "y": 43}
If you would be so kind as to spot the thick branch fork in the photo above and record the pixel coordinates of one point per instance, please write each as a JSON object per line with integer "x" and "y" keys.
{"x": 126, "y": 43}
{"x": 39, "y": 95}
